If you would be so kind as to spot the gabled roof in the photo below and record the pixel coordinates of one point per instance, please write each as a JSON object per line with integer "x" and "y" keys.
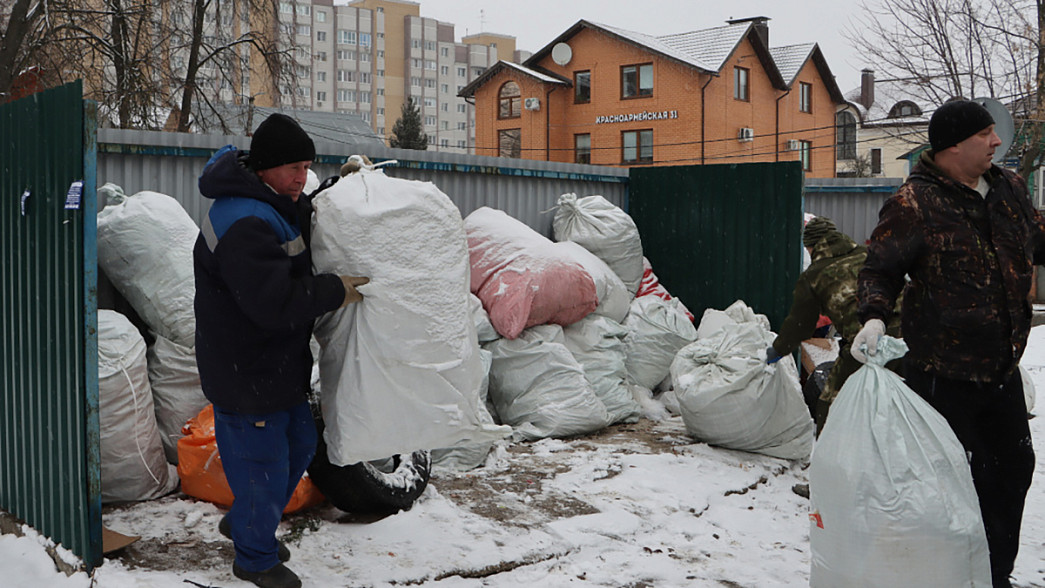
{"x": 537, "y": 73}
{"x": 791, "y": 59}
{"x": 705, "y": 50}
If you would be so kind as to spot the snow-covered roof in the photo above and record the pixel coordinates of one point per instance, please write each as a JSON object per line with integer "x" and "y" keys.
{"x": 790, "y": 59}
{"x": 532, "y": 72}
{"x": 887, "y": 94}
{"x": 501, "y": 65}
{"x": 665, "y": 46}
{"x": 709, "y": 46}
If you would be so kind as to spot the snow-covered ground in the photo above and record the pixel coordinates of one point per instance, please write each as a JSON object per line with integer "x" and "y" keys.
{"x": 638, "y": 505}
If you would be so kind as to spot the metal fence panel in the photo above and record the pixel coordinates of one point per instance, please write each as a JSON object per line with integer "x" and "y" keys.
{"x": 852, "y": 203}
{"x": 49, "y": 471}
{"x": 715, "y": 234}
{"x": 170, "y": 163}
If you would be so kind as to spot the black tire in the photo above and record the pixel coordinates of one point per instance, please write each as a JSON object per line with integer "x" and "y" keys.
{"x": 814, "y": 385}
{"x": 364, "y": 487}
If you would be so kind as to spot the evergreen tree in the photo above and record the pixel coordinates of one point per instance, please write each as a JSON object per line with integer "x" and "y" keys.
{"x": 407, "y": 132}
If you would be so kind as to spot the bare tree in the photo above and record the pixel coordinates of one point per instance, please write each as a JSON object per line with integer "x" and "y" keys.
{"x": 944, "y": 49}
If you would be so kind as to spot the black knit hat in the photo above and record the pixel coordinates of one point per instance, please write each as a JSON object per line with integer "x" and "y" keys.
{"x": 817, "y": 229}
{"x": 279, "y": 140}
{"x": 955, "y": 122}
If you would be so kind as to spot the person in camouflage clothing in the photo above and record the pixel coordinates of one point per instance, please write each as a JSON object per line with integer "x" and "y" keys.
{"x": 826, "y": 287}
{"x": 965, "y": 233}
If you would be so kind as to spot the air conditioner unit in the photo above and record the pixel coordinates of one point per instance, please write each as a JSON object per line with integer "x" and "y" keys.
{"x": 746, "y": 134}
{"x": 532, "y": 104}
{"x": 794, "y": 144}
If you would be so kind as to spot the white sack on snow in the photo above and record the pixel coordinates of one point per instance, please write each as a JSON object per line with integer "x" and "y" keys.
{"x": 133, "y": 466}
{"x": 892, "y": 502}
{"x": 604, "y": 229}
{"x": 522, "y": 277}
{"x": 399, "y": 371}
{"x": 729, "y": 397}
{"x": 614, "y": 298}
{"x": 597, "y": 343}
{"x": 469, "y": 456}
{"x": 657, "y": 329}
{"x": 538, "y": 387}
{"x": 145, "y": 246}
{"x": 176, "y": 390}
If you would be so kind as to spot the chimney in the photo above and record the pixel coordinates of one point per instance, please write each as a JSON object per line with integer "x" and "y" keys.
{"x": 759, "y": 23}
{"x": 867, "y": 87}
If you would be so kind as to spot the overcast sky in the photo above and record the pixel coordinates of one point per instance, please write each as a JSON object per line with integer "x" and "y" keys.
{"x": 534, "y": 23}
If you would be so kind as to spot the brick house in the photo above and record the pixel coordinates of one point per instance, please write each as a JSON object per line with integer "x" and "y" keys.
{"x": 603, "y": 95}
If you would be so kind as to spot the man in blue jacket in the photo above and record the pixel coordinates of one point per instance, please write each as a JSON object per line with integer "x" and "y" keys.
{"x": 256, "y": 302}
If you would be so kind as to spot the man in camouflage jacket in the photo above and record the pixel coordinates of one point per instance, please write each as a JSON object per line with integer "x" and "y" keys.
{"x": 965, "y": 233}
{"x": 828, "y": 287}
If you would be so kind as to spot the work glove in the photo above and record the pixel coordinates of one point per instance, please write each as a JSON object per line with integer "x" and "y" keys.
{"x": 868, "y": 337}
{"x": 772, "y": 356}
{"x": 351, "y": 294}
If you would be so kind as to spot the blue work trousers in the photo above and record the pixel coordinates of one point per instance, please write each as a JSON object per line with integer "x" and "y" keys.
{"x": 264, "y": 457}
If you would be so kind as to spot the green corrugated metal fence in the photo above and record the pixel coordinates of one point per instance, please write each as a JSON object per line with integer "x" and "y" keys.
{"x": 49, "y": 462}
{"x": 720, "y": 233}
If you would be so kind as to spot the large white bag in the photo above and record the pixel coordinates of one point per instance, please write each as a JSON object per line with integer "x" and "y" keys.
{"x": 597, "y": 343}
{"x": 145, "y": 246}
{"x": 133, "y": 466}
{"x": 891, "y": 495}
{"x": 729, "y": 397}
{"x": 472, "y": 455}
{"x": 399, "y": 371}
{"x": 657, "y": 330}
{"x": 176, "y": 390}
{"x": 614, "y": 298}
{"x": 538, "y": 387}
{"x": 604, "y": 229}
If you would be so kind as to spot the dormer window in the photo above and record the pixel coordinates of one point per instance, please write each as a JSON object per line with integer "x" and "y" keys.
{"x": 904, "y": 108}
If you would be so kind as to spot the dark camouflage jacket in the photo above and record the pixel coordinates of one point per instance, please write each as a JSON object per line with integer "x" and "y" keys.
{"x": 828, "y": 287}
{"x": 966, "y": 313}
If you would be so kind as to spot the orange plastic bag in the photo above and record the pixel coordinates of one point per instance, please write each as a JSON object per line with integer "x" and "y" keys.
{"x": 202, "y": 475}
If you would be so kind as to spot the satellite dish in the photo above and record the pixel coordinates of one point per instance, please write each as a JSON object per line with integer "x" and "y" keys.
{"x": 561, "y": 53}
{"x": 1003, "y": 126}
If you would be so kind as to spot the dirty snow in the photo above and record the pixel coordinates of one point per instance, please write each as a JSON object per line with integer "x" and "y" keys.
{"x": 605, "y": 510}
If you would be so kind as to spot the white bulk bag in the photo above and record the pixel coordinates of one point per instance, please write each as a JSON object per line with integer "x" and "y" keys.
{"x": 892, "y": 501}
{"x": 729, "y": 397}
{"x": 133, "y": 466}
{"x": 465, "y": 457}
{"x": 614, "y": 298}
{"x": 604, "y": 229}
{"x": 657, "y": 329}
{"x": 483, "y": 327}
{"x": 145, "y": 246}
{"x": 597, "y": 343}
{"x": 176, "y": 390}
{"x": 538, "y": 387}
{"x": 399, "y": 371}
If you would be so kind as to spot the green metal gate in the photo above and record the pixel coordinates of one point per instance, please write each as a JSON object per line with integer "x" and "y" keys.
{"x": 720, "y": 233}
{"x": 49, "y": 437}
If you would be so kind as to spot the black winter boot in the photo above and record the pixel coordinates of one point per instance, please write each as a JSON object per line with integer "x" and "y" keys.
{"x": 282, "y": 551}
{"x": 278, "y": 576}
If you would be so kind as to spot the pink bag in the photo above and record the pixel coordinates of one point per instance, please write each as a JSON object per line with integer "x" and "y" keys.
{"x": 523, "y": 278}
{"x": 651, "y": 286}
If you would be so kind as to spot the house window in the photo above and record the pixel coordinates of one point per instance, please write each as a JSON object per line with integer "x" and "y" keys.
{"x": 741, "y": 90}
{"x": 321, "y": 16}
{"x": 510, "y": 101}
{"x": 304, "y": 30}
{"x": 321, "y": 35}
{"x": 582, "y": 87}
{"x": 582, "y": 148}
{"x": 461, "y": 72}
{"x": 845, "y": 135}
{"x": 904, "y": 108}
{"x": 321, "y": 96}
{"x": 805, "y": 154}
{"x": 636, "y": 80}
{"x": 637, "y": 146}
{"x": 509, "y": 143}
{"x": 876, "y": 161}
{"x": 346, "y": 37}
{"x": 805, "y": 97}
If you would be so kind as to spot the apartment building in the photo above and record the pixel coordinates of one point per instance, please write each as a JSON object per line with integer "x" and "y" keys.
{"x": 368, "y": 56}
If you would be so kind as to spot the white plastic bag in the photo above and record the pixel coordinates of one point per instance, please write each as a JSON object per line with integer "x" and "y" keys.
{"x": 538, "y": 387}
{"x": 597, "y": 343}
{"x": 145, "y": 246}
{"x": 472, "y": 455}
{"x": 399, "y": 371}
{"x": 729, "y": 397}
{"x": 133, "y": 466}
{"x": 657, "y": 329}
{"x": 614, "y": 298}
{"x": 176, "y": 390}
{"x": 604, "y": 229}
{"x": 892, "y": 500}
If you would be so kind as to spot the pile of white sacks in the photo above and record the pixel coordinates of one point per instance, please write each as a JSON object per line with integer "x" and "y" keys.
{"x": 471, "y": 330}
